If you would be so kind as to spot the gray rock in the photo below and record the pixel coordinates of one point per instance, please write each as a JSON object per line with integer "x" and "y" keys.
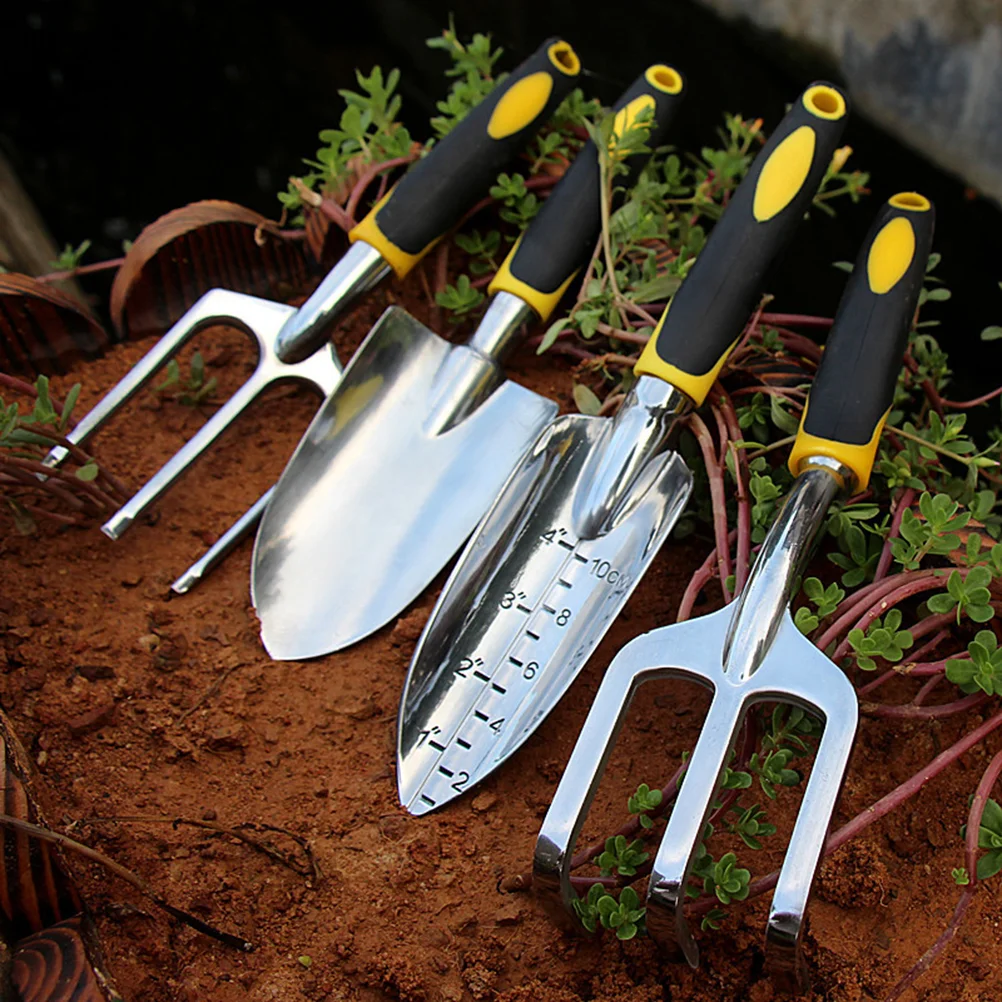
{"x": 928, "y": 71}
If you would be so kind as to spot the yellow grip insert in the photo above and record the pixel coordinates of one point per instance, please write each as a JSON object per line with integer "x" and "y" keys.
{"x": 368, "y": 230}
{"x": 544, "y": 303}
{"x": 520, "y": 105}
{"x": 891, "y": 254}
{"x": 858, "y": 458}
{"x": 694, "y": 385}
{"x": 784, "y": 174}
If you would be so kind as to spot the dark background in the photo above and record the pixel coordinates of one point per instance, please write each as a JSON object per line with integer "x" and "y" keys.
{"x": 113, "y": 114}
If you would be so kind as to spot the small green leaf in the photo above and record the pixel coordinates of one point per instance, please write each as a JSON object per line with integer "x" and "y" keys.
{"x": 88, "y": 471}
{"x": 586, "y": 401}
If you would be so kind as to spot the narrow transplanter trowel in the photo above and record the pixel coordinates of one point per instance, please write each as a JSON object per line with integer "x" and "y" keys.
{"x": 591, "y": 503}
{"x": 412, "y": 446}
{"x": 395, "y": 235}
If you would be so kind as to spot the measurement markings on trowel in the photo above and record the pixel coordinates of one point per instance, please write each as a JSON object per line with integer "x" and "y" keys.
{"x": 524, "y": 639}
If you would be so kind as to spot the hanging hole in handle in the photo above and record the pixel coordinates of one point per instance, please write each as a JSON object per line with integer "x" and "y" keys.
{"x": 664, "y": 78}
{"x": 564, "y": 58}
{"x": 910, "y": 200}
{"x": 824, "y": 101}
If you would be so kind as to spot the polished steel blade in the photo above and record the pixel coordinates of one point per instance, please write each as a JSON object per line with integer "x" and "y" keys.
{"x": 391, "y": 477}
{"x": 525, "y": 607}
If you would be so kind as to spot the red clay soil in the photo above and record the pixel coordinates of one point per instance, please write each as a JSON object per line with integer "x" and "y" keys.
{"x": 137, "y": 704}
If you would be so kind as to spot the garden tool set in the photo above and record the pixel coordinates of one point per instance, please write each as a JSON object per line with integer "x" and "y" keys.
{"x": 418, "y": 438}
{"x": 396, "y": 234}
{"x": 751, "y": 651}
{"x": 592, "y": 501}
{"x": 408, "y": 452}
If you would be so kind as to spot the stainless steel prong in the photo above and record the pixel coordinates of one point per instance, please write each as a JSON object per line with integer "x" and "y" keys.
{"x": 263, "y": 320}
{"x": 223, "y": 546}
{"x": 218, "y": 306}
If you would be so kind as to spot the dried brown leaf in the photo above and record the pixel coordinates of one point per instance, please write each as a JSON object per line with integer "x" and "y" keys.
{"x": 44, "y": 330}
{"x": 202, "y": 246}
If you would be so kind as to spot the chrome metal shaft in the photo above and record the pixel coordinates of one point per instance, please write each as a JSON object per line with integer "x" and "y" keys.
{"x": 358, "y": 271}
{"x": 766, "y": 597}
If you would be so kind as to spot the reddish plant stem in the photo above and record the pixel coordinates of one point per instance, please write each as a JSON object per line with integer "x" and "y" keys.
{"x": 329, "y": 208}
{"x": 610, "y": 403}
{"x": 910, "y": 711}
{"x": 885, "y": 805}
{"x": 632, "y": 826}
{"x": 50, "y": 486}
{"x": 795, "y": 320}
{"x": 441, "y": 281}
{"x": 977, "y": 810}
{"x": 927, "y": 647}
{"x": 974, "y": 816}
{"x": 702, "y": 577}
{"x": 101, "y": 499}
{"x": 914, "y": 669}
{"x": 740, "y": 460}
{"x": 622, "y": 335}
{"x": 367, "y": 177}
{"x": 19, "y": 386}
{"x": 795, "y": 396}
{"x": 907, "y": 590}
{"x": 927, "y": 689}
{"x": 34, "y": 509}
{"x": 861, "y": 599}
{"x": 81, "y": 458}
{"x": 669, "y": 792}
{"x": 718, "y": 498}
{"x": 963, "y": 405}
{"x": 946, "y": 937}
{"x": 84, "y": 269}
{"x": 905, "y": 499}
{"x": 800, "y": 345}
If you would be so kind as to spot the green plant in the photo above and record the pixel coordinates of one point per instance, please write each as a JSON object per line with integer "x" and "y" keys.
{"x": 71, "y": 256}
{"x": 74, "y": 493}
{"x": 825, "y": 602}
{"x": 983, "y": 671}
{"x": 191, "y": 390}
{"x": 643, "y": 803}
{"x": 990, "y": 838}
{"x": 881, "y": 639}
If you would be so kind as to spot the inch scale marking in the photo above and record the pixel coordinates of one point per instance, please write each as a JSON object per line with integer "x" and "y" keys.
{"x": 524, "y": 651}
{"x": 526, "y": 607}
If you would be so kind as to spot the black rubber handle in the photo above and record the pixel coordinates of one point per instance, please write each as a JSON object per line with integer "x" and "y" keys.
{"x": 709, "y": 311}
{"x": 438, "y": 189}
{"x": 563, "y": 234}
{"x": 854, "y": 385}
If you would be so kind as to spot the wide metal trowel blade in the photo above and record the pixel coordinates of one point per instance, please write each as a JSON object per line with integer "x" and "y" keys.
{"x": 524, "y": 608}
{"x": 391, "y": 477}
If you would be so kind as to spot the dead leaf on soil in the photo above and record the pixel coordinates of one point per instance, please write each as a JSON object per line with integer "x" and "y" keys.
{"x": 43, "y": 330}
{"x": 234, "y": 247}
{"x": 43, "y": 923}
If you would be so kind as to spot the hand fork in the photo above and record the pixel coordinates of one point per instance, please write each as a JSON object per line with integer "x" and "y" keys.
{"x": 751, "y": 651}
{"x": 395, "y": 236}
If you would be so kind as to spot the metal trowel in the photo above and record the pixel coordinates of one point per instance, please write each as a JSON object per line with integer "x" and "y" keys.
{"x": 394, "y": 236}
{"x": 593, "y": 500}
{"x": 412, "y": 446}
